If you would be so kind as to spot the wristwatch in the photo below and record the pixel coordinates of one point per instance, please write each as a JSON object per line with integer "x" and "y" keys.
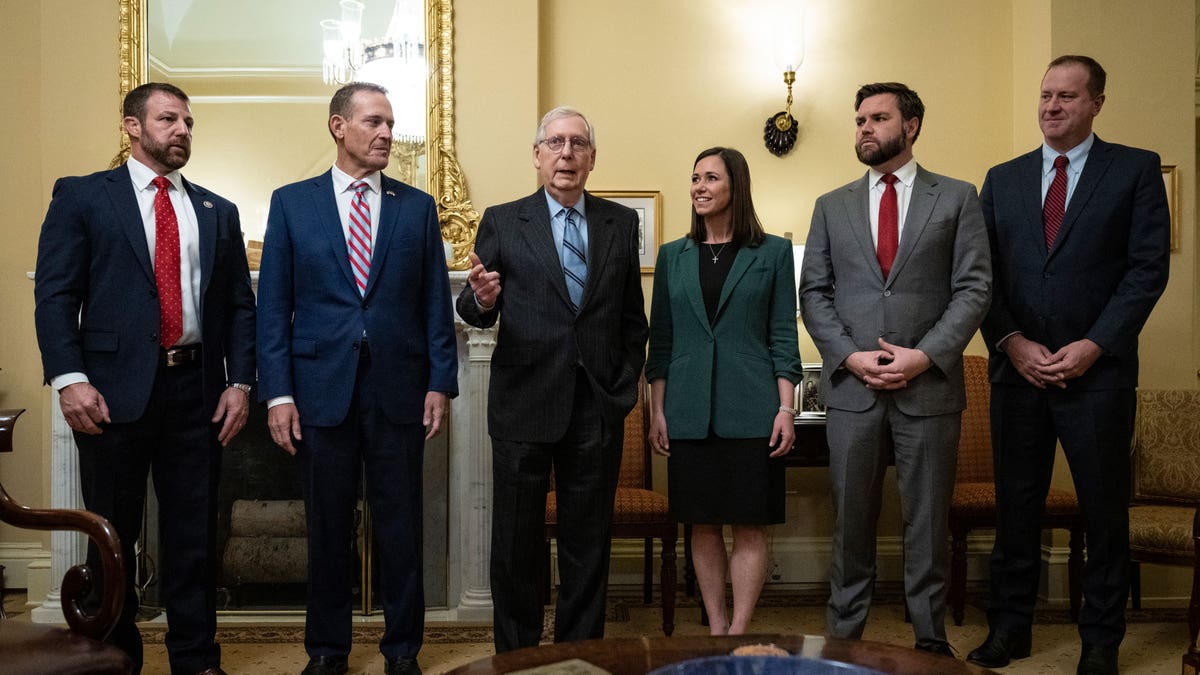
{"x": 244, "y": 388}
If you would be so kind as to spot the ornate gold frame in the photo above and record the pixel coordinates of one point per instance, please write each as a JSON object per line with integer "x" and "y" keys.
{"x": 459, "y": 219}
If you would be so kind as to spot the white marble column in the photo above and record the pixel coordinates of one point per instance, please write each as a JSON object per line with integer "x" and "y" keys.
{"x": 471, "y": 471}
{"x": 69, "y": 548}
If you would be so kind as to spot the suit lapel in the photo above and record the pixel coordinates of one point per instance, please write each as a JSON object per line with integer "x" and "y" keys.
{"x": 539, "y": 237}
{"x": 329, "y": 224}
{"x": 745, "y": 257}
{"x": 1029, "y": 177}
{"x": 856, "y": 201}
{"x": 601, "y": 237}
{"x": 1098, "y": 160}
{"x": 920, "y": 207}
{"x": 688, "y": 273}
{"x": 206, "y": 223}
{"x": 389, "y": 221}
{"x": 125, "y": 204}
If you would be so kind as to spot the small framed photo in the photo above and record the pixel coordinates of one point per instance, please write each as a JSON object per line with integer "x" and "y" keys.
{"x": 648, "y": 205}
{"x": 808, "y": 393}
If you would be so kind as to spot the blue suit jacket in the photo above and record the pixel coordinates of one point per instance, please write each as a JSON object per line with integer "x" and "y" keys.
{"x": 311, "y": 317}
{"x": 1102, "y": 278}
{"x": 97, "y": 304}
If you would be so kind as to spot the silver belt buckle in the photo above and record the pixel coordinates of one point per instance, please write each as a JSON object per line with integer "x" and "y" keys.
{"x": 175, "y": 357}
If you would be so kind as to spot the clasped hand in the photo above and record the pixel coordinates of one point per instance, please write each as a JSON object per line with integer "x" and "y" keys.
{"x": 1041, "y": 368}
{"x": 888, "y": 368}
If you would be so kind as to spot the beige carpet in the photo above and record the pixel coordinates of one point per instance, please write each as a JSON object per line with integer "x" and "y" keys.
{"x": 1154, "y": 643}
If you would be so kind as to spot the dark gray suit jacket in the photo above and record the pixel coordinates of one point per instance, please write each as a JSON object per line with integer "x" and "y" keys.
{"x": 541, "y": 341}
{"x": 934, "y": 299}
{"x": 1105, "y": 273}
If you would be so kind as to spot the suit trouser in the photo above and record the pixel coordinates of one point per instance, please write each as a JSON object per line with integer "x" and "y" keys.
{"x": 586, "y": 462}
{"x": 1095, "y": 428}
{"x": 333, "y": 460}
{"x": 176, "y": 444}
{"x": 926, "y": 452}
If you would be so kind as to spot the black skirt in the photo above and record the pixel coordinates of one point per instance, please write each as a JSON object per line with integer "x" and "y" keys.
{"x": 727, "y": 481}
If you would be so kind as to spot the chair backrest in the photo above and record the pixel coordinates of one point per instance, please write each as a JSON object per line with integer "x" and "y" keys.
{"x": 1165, "y": 456}
{"x": 636, "y": 469}
{"x": 975, "y": 442}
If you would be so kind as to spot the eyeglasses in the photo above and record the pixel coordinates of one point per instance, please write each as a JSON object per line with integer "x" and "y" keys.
{"x": 556, "y": 143}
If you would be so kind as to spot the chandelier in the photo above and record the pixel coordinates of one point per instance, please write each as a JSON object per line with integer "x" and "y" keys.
{"x": 395, "y": 61}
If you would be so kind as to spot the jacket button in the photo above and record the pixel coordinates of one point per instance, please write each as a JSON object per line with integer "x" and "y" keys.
{"x": 154, "y": 337}
{"x": 887, "y": 294}
{"x": 153, "y": 293}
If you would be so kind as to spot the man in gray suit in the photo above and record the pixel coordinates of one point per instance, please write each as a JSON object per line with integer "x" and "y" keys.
{"x": 895, "y": 281}
{"x": 561, "y": 268}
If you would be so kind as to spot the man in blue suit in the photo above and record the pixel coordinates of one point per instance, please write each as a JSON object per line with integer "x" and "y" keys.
{"x": 145, "y": 320}
{"x": 1080, "y": 237}
{"x": 357, "y": 364}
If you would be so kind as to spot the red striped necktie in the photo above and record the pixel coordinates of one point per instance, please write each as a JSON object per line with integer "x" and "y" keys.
{"x": 1056, "y": 201}
{"x": 359, "y": 243}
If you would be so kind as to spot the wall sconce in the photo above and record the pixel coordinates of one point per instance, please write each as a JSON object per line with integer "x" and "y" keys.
{"x": 781, "y": 129}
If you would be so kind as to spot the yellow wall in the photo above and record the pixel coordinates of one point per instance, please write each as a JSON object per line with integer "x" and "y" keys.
{"x": 660, "y": 80}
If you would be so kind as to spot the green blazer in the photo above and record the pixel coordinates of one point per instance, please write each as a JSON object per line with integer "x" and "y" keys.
{"x": 724, "y": 375}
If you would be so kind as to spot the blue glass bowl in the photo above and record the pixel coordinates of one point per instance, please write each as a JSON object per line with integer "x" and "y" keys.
{"x": 762, "y": 665}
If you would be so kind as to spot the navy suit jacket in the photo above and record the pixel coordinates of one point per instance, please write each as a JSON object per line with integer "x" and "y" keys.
{"x": 1104, "y": 274}
{"x": 97, "y": 305}
{"x": 311, "y": 317}
{"x": 541, "y": 341}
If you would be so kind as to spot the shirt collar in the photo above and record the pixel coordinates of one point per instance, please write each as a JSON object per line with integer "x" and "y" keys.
{"x": 555, "y": 207}
{"x": 143, "y": 176}
{"x": 905, "y": 174}
{"x": 342, "y": 180}
{"x": 1076, "y": 156}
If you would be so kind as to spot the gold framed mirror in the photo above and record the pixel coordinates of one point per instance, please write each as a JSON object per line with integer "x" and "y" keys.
{"x": 446, "y": 182}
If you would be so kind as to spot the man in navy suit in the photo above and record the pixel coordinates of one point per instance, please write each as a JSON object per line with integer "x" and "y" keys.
{"x": 560, "y": 269}
{"x": 357, "y": 364}
{"x": 1080, "y": 236}
{"x": 145, "y": 320}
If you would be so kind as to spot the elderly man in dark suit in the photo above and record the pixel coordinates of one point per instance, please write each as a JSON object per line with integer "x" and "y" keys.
{"x": 895, "y": 282}
{"x": 1080, "y": 237}
{"x": 145, "y": 319}
{"x": 560, "y": 270}
{"x": 357, "y": 362}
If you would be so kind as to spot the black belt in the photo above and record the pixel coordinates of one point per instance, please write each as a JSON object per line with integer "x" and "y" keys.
{"x": 178, "y": 356}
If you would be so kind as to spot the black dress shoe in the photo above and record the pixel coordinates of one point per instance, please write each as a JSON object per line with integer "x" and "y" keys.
{"x": 325, "y": 665}
{"x": 1097, "y": 660}
{"x": 402, "y": 666}
{"x": 1000, "y": 647}
{"x": 212, "y": 671}
{"x": 941, "y": 648}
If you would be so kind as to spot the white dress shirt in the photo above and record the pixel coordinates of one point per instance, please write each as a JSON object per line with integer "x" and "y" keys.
{"x": 905, "y": 176}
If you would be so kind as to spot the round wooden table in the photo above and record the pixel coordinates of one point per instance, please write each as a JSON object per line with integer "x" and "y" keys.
{"x": 641, "y": 655}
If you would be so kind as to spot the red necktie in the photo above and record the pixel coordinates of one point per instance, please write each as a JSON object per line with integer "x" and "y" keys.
{"x": 166, "y": 266}
{"x": 1056, "y": 201}
{"x": 889, "y": 226}
{"x": 360, "y": 236}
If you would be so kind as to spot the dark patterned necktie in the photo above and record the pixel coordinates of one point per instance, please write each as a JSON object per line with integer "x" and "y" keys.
{"x": 166, "y": 266}
{"x": 889, "y": 226}
{"x": 574, "y": 259}
{"x": 1056, "y": 201}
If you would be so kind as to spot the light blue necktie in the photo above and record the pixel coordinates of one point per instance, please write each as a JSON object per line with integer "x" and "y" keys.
{"x": 574, "y": 259}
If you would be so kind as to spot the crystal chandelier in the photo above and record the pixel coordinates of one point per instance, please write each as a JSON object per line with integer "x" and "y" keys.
{"x": 396, "y": 61}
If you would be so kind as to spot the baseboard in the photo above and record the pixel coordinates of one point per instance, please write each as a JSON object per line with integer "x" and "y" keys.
{"x": 16, "y": 557}
{"x": 803, "y": 562}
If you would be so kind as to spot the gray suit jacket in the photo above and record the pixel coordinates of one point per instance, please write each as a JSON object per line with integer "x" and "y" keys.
{"x": 541, "y": 342}
{"x": 934, "y": 299}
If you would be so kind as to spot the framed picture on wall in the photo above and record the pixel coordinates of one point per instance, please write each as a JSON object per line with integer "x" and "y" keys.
{"x": 648, "y": 205}
{"x": 808, "y": 393}
{"x": 1170, "y": 178}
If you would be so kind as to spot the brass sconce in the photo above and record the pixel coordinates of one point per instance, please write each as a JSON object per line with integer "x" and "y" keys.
{"x": 781, "y": 129}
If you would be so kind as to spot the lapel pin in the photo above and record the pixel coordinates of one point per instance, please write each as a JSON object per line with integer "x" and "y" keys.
{"x": 208, "y": 204}
{"x": 390, "y": 193}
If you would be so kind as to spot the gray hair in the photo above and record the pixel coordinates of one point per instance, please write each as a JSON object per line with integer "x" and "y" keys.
{"x": 559, "y": 113}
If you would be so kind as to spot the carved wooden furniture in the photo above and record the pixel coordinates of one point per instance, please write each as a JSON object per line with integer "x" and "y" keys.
{"x": 639, "y": 512}
{"x": 47, "y": 650}
{"x": 1164, "y": 468}
{"x": 973, "y": 504}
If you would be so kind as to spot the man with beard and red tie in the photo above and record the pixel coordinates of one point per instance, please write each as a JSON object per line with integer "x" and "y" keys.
{"x": 145, "y": 320}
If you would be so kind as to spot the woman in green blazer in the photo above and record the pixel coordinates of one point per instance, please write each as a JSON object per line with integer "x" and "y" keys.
{"x": 722, "y": 367}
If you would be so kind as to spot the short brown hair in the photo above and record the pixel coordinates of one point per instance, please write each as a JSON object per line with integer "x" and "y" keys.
{"x": 908, "y": 101}
{"x": 134, "y": 104}
{"x": 1097, "y": 78}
